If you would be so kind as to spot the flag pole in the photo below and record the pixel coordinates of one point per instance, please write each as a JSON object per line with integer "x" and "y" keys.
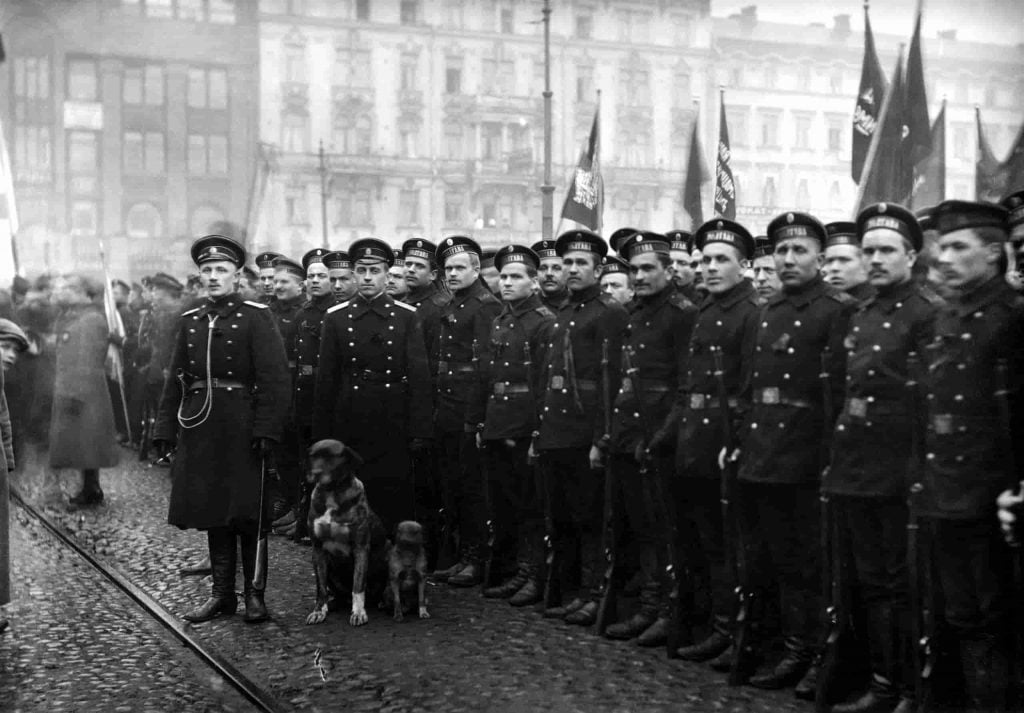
{"x": 876, "y": 138}
{"x": 114, "y": 350}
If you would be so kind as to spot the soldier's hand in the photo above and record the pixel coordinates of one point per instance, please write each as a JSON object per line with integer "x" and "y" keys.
{"x": 531, "y": 453}
{"x": 479, "y": 440}
{"x": 596, "y": 458}
{"x": 723, "y": 455}
{"x": 1009, "y": 504}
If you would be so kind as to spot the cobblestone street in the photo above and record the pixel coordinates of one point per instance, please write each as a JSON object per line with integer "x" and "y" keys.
{"x": 472, "y": 655}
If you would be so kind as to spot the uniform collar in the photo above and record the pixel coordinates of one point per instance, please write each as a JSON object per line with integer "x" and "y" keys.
{"x": 558, "y": 298}
{"x": 731, "y": 297}
{"x": 521, "y": 307}
{"x": 585, "y": 295}
{"x": 322, "y": 302}
{"x": 863, "y": 291}
{"x": 285, "y": 305}
{"x": 220, "y": 306}
{"x": 802, "y": 295}
{"x": 888, "y": 299}
{"x": 473, "y": 290}
{"x": 993, "y": 290}
{"x": 653, "y": 302}
{"x": 421, "y": 294}
{"x": 380, "y": 304}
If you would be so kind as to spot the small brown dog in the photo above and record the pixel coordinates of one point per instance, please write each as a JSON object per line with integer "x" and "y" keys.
{"x": 407, "y": 569}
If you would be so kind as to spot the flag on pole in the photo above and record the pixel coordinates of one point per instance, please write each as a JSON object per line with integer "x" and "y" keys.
{"x": 930, "y": 172}
{"x": 696, "y": 176}
{"x": 585, "y": 198}
{"x": 868, "y": 106}
{"x": 115, "y": 364}
{"x": 917, "y": 137}
{"x": 994, "y": 179}
{"x": 880, "y": 180}
{"x": 725, "y": 188}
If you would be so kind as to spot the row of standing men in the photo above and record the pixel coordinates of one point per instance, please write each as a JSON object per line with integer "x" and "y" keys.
{"x": 487, "y": 420}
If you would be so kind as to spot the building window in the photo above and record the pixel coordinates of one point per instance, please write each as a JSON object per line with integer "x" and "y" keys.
{"x": 84, "y": 217}
{"x": 83, "y": 153}
{"x": 222, "y": 11}
{"x": 143, "y": 220}
{"x": 634, "y": 86}
{"x": 295, "y": 206}
{"x": 771, "y": 77}
{"x": 455, "y": 16}
{"x": 362, "y": 69}
{"x": 197, "y": 88}
{"x": 160, "y": 8}
{"x": 33, "y": 152}
{"x": 32, "y": 77}
{"x": 82, "y": 82}
{"x": 361, "y": 207}
{"x": 408, "y": 72}
{"x": 454, "y": 141}
{"x": 507, "y": 21}
{"x": 490, "y": 141}
{"x": 454, "y": 208}
{"x": 634, "y": 26}
{"x": 803, "y": 195}
{"x": 408, "y": 137}
{"x": 363, "y": 10}
{"x": 408, "y": 12}
{"x": 295, "y": 63}
{"x": 217, "y": 82}
{"x": 739, "y": 131}
{"x": 217, "y": 147}
{"x": 635, "y": 148}
{"x": 835, "y": 136}
{"x": 835, "y": 197}
{"x": 353, "y": 136}
{"x": 835, "y": 81}
{"x": 207, "y": 88}
{"x": 409, "y": 207}
{"x": 143, "y": 85}
{"x": 585, "y": 83}
{"x": 802, "y": 138}
{"x": 584, "y": 26}
{"x": 197, "y": 154}
{"x": 769, "y": 130}
{"x": 143, "y": 152}
{"x": 453, "y": 80}
{"x": 768, "y": 197}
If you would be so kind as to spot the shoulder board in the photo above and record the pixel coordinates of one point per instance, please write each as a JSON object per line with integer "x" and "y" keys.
{"x": 403, "y": 305}
{"x": 188, "y": 312}
{"x": 544, "y": 311}
{"x": 335, "y": 308}
{"x": 841, "y": 297}
{"x": 258, "y": 305}
{"x": 931, "y": 296}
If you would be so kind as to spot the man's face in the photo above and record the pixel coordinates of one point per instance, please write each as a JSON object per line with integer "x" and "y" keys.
{"x": 318, "y": 282}
{"x": 844, "y": 267}
{"x": 397, "y": 286}
{"x": 551, "y": 276}
{"x": 581, "y": 270}
{"x": 682, "y": 271}
{"x": 650, "y": 276}
{"x": 287, "y": 286}
{"x": 722, "y": 267}
{"x": 516, "y": 283}
{"x": 697, "y": 265}
{"x": 343, "y": 283}
{"x": 1015, "y": 273}
{"x": 267, "y": 280}
{"x": 65, "y": 292}
{"x": 218, "y": 277}
{"x": 490, "y": 275}
{"x": 766, "y": 278}
{"x": 418, "y": 273}
{"x": 162, "y": 297}
{"x": 797, "y": 261}
{"x": 9, "y": 351}
{"x": 371, "y": 278}
{"x": 616, "y": 285}
{"x": 459, "y": 272}
{"x": 887, "y": 258}
{"x": 966, "y": 260}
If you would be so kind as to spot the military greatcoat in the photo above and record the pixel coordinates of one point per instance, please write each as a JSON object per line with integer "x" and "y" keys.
{"x": 429, "y": 301}
{"x": 310, "y": 323}
{"x": 232, "y": 345}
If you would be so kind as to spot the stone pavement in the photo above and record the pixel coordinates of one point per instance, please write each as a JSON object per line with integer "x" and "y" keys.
{"x": 472, "y": 655}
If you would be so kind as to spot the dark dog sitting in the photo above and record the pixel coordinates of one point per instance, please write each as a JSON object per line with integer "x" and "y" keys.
{"x": 350, "y": 546}
{"x": 407, "y": 571}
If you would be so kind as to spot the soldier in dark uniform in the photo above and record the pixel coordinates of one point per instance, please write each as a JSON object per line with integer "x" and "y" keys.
{"x": 867, "y": 480}
{"x": 222, "y": 405}
{"x": 397, "y": 288}
{"x": 844, "y": 264}
{"x": 764, "y": 277}
{"x": 265, "y": 265}
{"x": 465, "y": 333}
{"x": 551, "y": 277}
{"x": 506, "y": 411}
{"x": 781, "y": 437}
{"x": 727, "y": 325}
{"x": 289, "y": 296}
{"x": 488, "y": 272}
{"x": 156, "y": 340}
{"x": 372, "y": 387}
{"x": 967, "y": 449}
{"x": 343, "y": 280}
{"x": 571, "y": 441}
{"x": 617, "y": 280}
{"x": 660, "y": 323}
{"x": 683, "y": 273}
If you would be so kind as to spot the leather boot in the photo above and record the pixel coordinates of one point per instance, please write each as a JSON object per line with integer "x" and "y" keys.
{"x": 789, "y": 670}
{"x": 807, "y": 688}
{"x": 222, "y": 600}
{"x": 639, "y": 622}
{"x": 655, "y": 635}
{"x": 986, "y": 672}
{"x": 586, "y": 615}
{"x": 531, "y": 592}
{"x": 507, "y": 588}
{"x": 707, "y": 649}
{"x": 199, "y": 568}
{"x": 881, "y": 697}
{"x": 723, "y": 662}
{"x": 91, "y": 493}
{"x": 906, "y": 705}
{"x": 470, "y": 575}
{"x": 565, "y": 610}
{"x": 255, "y": 607}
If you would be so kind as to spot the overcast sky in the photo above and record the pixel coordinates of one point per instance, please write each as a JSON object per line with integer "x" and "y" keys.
{"x": 998, "y": 21}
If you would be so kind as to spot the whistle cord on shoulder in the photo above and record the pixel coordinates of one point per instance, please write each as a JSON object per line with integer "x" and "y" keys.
{"x": 206, "y": 408}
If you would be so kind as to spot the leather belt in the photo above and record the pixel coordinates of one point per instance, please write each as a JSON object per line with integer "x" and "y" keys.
{"x": 860, "y": 407}
{"x": 307, "y": 369}
{"x": 770, "y": 396}
{"x": 559, "y": 382}
{"x": 699, "y": 402}
{"x": 627, "y": 387}
{"x": 216, "y": 384}
{"x": 501, "y": 388}
{"x": 455, "y": 367}
{"x": 377, "y": 377}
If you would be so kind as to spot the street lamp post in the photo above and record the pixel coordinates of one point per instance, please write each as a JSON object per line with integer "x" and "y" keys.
{"x": 547, "y": 190}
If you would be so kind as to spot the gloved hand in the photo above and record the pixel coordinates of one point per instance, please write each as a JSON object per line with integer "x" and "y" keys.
{"x": 596, "y": 458}
{"x": 722, "y": 456}
{"x": 1010, "y": 505}
{"x": 263, "y": 446}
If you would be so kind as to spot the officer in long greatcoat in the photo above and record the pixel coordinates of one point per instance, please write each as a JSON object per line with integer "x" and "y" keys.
{"x": 372, "y": 387}
{"x": 971, "y": 449}
{"x": 222, "y": 405}
{"x": 873, "y": 443}
{"x": 782, "y": 451}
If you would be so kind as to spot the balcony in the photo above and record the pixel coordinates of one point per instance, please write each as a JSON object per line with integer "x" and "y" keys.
{"x": 295, "y": 96}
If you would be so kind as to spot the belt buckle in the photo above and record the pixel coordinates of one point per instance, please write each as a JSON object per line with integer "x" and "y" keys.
{"x": 557, "y": 382}
{"x": 499, "y": 388}
{"x": 770, "y": 396}
{"x": 943, "y": 423}
{"x": 858, "y": 408}
{"x": 696, "y": 401}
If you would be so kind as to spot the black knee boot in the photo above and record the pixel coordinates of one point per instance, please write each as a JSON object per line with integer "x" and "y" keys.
{"x": 91, "y": 493}
{"x": 222, "y": 600}
{"x": 255, "y": 608}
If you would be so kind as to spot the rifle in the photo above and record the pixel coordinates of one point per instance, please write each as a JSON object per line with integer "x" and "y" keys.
{"x": 922, "y": 609}
{"x": 651, "y": 479}
{"x": 732, "y": 544}
{"x": 608, "y": 594}
{"x": 259, "y": 577}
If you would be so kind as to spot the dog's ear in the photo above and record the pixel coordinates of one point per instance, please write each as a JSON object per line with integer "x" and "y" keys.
{"x": 350, "y": 457}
